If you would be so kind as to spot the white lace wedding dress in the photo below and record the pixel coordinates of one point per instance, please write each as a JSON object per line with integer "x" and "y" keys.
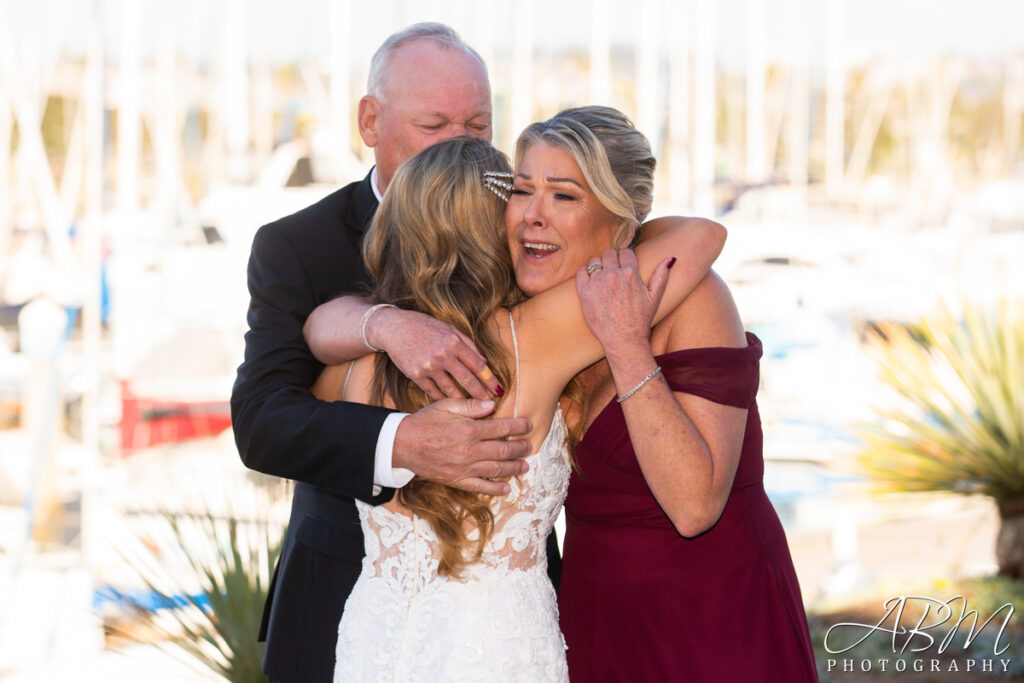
{"x": 499, "y": 622}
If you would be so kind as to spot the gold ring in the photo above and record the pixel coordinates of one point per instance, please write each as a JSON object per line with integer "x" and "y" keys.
{"x": 485, "y": 374}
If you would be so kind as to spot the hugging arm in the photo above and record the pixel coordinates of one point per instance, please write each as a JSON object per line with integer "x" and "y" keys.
{"x": 431, "y": 353}
{"x": 556, "y": 319}
{"x": 444, "y": 441}
{"x": 436, "y": 356}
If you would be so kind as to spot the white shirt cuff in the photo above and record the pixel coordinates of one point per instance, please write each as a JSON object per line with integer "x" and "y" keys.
{"x": 383, "y": 473}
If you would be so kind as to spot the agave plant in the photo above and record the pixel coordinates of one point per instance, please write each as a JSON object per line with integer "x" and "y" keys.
{"x": 209, "y": 576}
{"x": 958, "y": 422}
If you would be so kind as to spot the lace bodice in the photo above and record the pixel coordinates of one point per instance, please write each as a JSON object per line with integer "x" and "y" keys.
{"x": 404, "y": 551}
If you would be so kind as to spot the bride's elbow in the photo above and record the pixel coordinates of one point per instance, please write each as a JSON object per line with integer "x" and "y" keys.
{"x": 316, "y": 334}
{"x": 715, "y": 233}
{"x": 311, "y": 335}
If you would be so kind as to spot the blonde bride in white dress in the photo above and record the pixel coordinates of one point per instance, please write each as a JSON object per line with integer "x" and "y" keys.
{"x": 454, "y": 586}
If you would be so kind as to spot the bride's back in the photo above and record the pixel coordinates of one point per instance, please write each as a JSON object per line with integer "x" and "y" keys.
{"x": 405, "y": 620}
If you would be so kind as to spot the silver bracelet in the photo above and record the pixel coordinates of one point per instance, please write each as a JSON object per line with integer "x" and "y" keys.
{"x": 366, "y": 318}
{"x": 644, "y": 381}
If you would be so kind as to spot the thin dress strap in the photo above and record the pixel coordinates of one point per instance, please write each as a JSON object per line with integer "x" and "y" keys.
{"x": 348, "y": 373}
{"x": 515, "y": 348}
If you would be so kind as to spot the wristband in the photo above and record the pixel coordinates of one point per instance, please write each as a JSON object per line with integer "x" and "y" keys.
{"x": 644, "y": 381}
{"x": 366, "y": 318}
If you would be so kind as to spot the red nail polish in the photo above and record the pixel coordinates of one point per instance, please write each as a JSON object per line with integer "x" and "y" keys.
{"x": 671, "y": 262}
{"x": 499, "y": 391}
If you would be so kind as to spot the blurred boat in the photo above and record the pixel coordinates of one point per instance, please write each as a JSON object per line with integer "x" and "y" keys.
{"x": 148, "y": 421}
{"x": 294, "y": 177}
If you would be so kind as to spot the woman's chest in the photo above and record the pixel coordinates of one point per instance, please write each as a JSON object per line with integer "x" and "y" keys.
{"x": 598, "y": 386}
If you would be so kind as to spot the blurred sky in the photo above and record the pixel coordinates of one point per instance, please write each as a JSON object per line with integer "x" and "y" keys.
{"x": 280, "y": 31}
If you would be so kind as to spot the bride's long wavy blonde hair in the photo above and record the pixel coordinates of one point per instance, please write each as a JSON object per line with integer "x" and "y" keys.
{"x": 437, "y": 245}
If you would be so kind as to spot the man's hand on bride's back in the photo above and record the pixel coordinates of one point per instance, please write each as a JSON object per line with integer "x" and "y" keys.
{"x": 433, "y": 354}
{"x": 446, "y": 442}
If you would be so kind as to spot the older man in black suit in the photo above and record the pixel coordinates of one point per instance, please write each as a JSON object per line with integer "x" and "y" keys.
{"x": 425, "y": 86}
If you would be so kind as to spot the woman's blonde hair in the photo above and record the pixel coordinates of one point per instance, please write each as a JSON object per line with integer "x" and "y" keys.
{"x": 437, "y": 245}
{"x": 615, "y": 158}
{"x": 617, "y": 162}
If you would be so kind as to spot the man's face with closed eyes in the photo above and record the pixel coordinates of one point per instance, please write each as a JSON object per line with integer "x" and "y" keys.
{"x": 431, "y": 92}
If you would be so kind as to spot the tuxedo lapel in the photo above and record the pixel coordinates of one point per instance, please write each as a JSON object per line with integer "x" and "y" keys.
{"x": 359, "y": 212}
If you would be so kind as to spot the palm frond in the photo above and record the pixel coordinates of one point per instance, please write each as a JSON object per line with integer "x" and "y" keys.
{"x": 957, "y": 421}
{"x": 212, "y": 574}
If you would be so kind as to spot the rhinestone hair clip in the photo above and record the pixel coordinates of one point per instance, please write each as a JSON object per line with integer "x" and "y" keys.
{"x": 493, "y": 181}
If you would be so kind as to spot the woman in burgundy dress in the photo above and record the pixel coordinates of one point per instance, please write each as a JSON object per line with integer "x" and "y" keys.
{"x": 675, "y": 564}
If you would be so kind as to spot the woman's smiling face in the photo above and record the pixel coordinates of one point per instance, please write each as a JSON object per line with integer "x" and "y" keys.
{"x": 554, "y": 221}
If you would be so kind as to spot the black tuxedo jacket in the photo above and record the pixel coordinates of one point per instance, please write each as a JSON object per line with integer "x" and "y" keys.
{"x": 297, "y": 263}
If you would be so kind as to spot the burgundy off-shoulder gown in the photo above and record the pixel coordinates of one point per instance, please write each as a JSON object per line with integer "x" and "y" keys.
{"x": 638, "y": 602}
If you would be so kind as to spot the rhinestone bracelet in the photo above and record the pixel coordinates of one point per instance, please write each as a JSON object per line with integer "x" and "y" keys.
{"x": 366, "y": 318}
{"x": 644, "y": 381}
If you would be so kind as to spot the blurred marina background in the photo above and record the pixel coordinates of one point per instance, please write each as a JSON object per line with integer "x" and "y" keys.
{"x": 867, "y": 158}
